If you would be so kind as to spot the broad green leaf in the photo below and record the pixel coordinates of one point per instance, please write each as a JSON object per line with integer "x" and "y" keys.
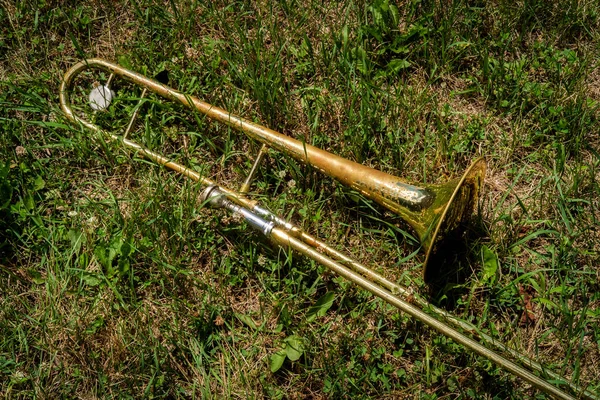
{"x": 277, "y": 360}
{"x": 395, "y": 14}
{"x": 398, "y": 64}
{"x": 28, "y": 202}
{"x": 90, "y": 279}
{"x": 39, "y": 183}
{"x": 115, "y": 246}
{"x": 294, "y": 347}
{"x": 246, "y": 320}
{"x": 125, "y": 250}
{"x": 460, "y": 44}
{"x": 106, "y": 255}
{"x": 490, "y": 264}
{"x": 319, "y": 309}
{"x": 362, "y": 62}
{"x": 76, "y": 238}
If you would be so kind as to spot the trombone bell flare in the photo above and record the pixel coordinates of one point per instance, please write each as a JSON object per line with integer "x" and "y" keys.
{"x": 457, "y": 200}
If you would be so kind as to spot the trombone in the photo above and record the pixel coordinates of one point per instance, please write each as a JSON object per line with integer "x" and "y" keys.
{"x": 433, "y": 211}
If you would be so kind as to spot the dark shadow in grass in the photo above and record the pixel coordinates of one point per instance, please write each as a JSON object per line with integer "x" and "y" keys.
{"x": 451, "y": 267}
{"x": 10, "y": 230}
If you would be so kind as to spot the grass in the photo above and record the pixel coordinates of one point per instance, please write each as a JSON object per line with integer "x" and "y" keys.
{"x": 115, "y": 282}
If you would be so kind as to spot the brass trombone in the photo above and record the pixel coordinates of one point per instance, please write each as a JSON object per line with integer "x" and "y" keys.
{"x": 431, "y": 210}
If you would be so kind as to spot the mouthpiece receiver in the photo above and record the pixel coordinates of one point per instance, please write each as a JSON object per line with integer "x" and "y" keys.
{"x": 215, "y": 198}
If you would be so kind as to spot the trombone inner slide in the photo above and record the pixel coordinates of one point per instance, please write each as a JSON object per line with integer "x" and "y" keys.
{"x": 430, "y": 209}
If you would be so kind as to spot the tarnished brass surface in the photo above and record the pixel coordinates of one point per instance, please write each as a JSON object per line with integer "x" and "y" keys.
{"x": 432, "y": 210}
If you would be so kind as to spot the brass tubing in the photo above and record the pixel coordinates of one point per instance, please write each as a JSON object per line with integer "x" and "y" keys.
{"x": 281, "y": 237}
{"x": 425, "y": 207}
{"x": 387, "y": 293}
{"x": 413, "y": 297}
{"x": 343, "y": 170}
{"x": 259, "y": 157}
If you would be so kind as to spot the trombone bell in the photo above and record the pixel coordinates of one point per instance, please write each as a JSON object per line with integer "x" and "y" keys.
{"x": 454, "y": 204}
